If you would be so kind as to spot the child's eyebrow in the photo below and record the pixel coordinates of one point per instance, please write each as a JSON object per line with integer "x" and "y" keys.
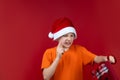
{"x": 65, "y": 35}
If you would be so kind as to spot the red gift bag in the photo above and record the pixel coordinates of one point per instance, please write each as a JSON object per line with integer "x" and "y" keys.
{"x": 103, "y": 71}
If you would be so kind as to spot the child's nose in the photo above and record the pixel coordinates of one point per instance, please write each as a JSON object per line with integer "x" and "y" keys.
{"x": 69, "y": 38}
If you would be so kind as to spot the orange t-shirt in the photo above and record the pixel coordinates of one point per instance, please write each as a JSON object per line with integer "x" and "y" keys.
{"x": 71, "y": 63}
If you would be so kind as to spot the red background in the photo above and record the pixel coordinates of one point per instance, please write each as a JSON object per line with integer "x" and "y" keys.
{"x": 24, "y": 26}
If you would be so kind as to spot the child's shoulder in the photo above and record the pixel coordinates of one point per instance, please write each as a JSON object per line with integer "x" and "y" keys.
{"x": 78, "y": 46}
{"x": 51, "y": 49}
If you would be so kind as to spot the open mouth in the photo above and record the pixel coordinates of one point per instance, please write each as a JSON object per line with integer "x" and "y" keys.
{"x": 67, "y": 43}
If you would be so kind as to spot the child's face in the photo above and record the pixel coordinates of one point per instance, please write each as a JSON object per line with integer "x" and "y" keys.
{"x": 67, "y": 40}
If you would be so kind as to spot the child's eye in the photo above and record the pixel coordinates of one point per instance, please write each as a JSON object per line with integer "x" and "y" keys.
{"x": 72, "y": 35}
{"x": 65, "y": 35}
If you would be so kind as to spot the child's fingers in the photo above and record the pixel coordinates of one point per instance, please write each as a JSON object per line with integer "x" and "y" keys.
{"x": 60, "y": 45}
{"x": 60, "y": 48}
{"x": 112, "y": 59}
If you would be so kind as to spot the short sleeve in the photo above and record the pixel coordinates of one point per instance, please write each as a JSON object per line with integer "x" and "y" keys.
{"x": 46, "y": 60}
{"x": 87, "y": 56}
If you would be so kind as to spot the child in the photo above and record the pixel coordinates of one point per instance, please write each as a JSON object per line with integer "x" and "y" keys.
{"x": 65, "y": 61}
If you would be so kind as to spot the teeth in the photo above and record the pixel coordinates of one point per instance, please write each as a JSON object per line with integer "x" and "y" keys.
{"x": 67, "y": 43}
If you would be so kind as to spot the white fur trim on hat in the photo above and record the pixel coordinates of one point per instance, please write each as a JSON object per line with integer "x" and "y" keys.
{"x": 64, "y": 31}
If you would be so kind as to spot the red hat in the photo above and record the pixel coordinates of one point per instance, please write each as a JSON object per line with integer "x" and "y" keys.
{"x": 61, "y": 27}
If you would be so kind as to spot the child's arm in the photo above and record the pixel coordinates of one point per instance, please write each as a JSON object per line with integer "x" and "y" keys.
{"x": 49, "y": 72}
{"x": 99, "y": 59}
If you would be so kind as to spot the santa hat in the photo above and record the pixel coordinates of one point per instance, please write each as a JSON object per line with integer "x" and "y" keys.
{"x": 61, "y": 27}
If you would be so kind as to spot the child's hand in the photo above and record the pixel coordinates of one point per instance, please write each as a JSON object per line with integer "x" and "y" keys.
{"x": 111, "y": 59}
{"x": 60, "y": 50}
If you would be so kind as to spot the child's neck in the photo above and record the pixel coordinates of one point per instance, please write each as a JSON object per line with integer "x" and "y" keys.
{"x": 66, "y": 48}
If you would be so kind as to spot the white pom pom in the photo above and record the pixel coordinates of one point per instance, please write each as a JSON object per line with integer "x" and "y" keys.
{"x": 50, "y": 35}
